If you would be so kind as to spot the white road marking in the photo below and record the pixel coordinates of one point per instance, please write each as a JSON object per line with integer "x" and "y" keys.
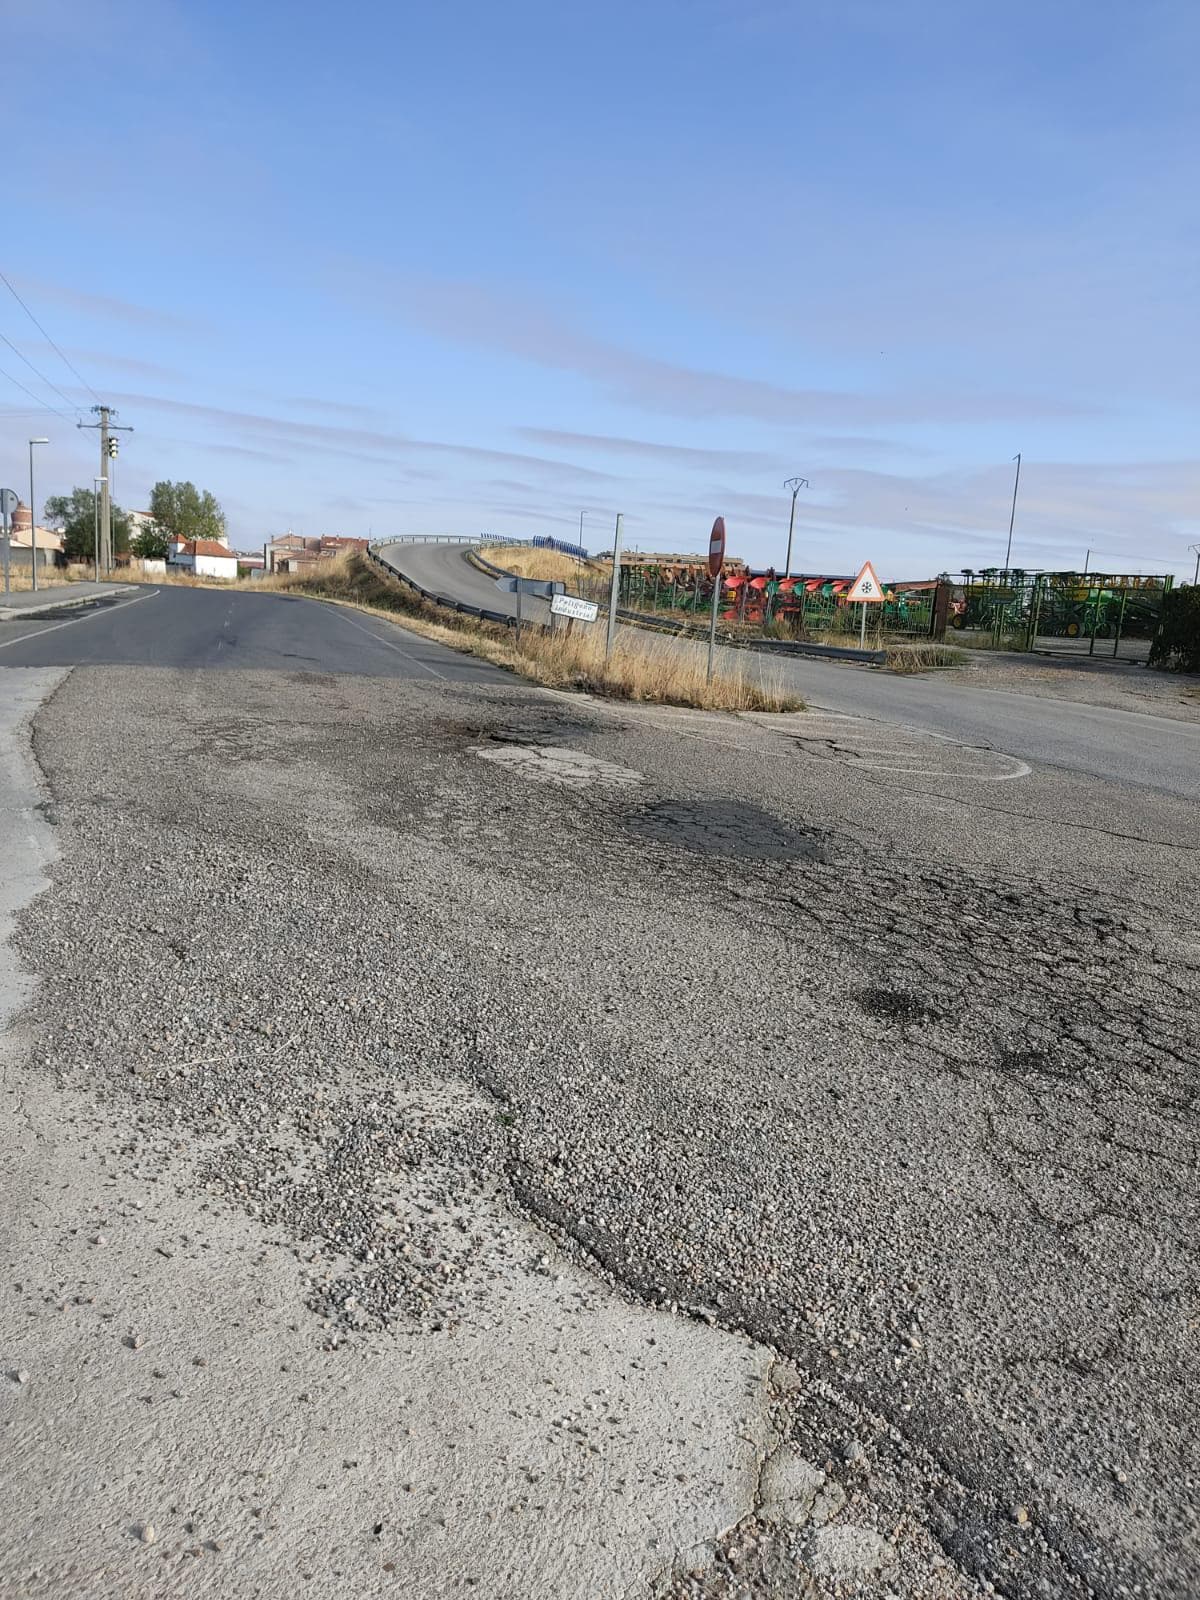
{"x": 416, "y": 661}
{"x": 71, "y": 621}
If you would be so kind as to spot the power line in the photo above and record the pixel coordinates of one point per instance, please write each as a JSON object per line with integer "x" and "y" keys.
{"x": 45, "y": 404}
{"x": 38, "y": 374}
{"x": 48, "y": 339}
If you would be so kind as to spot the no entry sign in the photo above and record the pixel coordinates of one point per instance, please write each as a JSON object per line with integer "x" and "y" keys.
{"x": 716, "y": 547}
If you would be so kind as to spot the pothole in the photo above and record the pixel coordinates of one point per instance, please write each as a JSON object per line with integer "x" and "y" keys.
{"x": 727, "y": 828}
{"x": 553, "y": 763}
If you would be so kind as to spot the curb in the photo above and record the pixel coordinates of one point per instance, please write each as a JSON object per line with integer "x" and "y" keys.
{"x": 16, "y": 613}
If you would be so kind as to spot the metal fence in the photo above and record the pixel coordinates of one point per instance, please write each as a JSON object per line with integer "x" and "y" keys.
{"x": 800, "y": 607}
{"x": 1060, "y": 613}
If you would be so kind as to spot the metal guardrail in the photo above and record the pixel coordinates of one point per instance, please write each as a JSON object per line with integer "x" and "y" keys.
{"x": 461, "y": 606}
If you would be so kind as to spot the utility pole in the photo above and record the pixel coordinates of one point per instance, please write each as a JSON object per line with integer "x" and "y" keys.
{"x": 109, "y": 446}
{"x": 1013, "y": 515}
{"x": 1196, "y": 549}
{"x": 615, "y": 590}
{"x": 795, "y": 485}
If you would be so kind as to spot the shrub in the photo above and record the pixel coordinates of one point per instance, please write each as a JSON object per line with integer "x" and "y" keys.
{"x": 1176, "y": 646}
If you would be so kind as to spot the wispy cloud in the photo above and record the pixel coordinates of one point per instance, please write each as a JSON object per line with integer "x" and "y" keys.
{"x": 105, "y": 307}
{"x": 476, "y": 315}
{"x": 358, "y": 444}
{"x": 651, "y": 450}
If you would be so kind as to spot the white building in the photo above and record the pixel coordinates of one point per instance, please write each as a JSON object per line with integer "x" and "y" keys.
{"x": 205, "y": 557}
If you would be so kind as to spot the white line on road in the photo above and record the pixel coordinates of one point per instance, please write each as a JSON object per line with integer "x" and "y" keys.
{"x": 70, "y": 622}
{"x": 416, "y": 661}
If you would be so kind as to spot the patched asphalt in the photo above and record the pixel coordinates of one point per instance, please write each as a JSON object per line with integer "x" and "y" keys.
{"x": 895, "y": 1073}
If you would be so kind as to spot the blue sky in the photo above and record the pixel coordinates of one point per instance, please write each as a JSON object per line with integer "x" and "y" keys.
{"x": 477, "y": 267}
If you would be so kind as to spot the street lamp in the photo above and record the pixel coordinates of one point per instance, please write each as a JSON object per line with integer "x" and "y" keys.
{"x": 33, "y": 513}
{"x": 96, "y": 482}
{"x": 795, "y": 485}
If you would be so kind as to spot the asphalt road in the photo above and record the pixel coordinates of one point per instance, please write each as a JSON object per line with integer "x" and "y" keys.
{"x": 1130, "y": 748}
{"x": 445, "y": 569}
{"x": 211, "y": 629}
{"x": 869, "y": 1053}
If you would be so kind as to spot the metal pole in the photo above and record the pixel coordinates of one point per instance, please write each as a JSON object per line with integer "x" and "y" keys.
{"x": 795, "y": 485}
{"x": 862, "y": 632}
{"x": 105, "y": 505}
{"x": 712, "y": 625}
{"x": 7, "y": 550}
{"x": 96, "y": 482}
{"x": 1013, "y": 515}
{"x": 1120, "y": 623}
{"x": 33, "y": 514}
{"x": 518, "y": 613}
{"x": 613, "y": 590}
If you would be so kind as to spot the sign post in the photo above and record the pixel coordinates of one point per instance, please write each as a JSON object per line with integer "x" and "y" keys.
{"x": 868, "y": 591}
{"x": 716, "y": 564}
{"x": 8, "y": 504}
{"x": 615, "y": 590}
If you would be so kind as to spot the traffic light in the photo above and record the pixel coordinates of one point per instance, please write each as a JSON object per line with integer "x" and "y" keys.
{"x": 113, "y": 445}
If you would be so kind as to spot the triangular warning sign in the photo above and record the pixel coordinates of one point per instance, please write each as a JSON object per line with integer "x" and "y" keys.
{"x": 866, "y": 586}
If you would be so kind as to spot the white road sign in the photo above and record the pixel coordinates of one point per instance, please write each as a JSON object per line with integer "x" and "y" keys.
{"x": 570, "y": 605}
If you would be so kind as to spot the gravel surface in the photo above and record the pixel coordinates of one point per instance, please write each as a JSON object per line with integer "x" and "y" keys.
{"x": 1076, "y": 679}
{"x": 903, "y": 1089}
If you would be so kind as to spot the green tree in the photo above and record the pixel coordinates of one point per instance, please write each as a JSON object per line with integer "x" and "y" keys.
{"x": 74, "y": 515}
{"x": 150, "y": 543}
{"x": 182, "y": 511}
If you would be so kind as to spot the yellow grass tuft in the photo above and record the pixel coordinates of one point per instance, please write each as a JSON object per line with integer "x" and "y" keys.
{"x": 906, "y": 658}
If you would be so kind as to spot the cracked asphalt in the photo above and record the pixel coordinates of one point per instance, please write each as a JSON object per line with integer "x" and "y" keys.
{"x": 889, "y": 1068}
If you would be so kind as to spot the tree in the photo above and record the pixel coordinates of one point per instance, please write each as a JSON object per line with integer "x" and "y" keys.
{"x": 75, "y": 515}
{"x": 150, "y": 543}
{"x": 181, "y": 511}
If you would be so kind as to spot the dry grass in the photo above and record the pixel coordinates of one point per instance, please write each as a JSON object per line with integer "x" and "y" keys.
{"x": 553, "y": 565}
{"x": 20, "y": 582}
{"x": 645, "y": 667}
{"x": 905, "y": 658}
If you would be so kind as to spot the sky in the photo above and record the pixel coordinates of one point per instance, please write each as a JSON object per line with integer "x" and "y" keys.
{"x": 464, "y": 268}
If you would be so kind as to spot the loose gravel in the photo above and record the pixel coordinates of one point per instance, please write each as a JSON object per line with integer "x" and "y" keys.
{"x": 922, "y": 1120}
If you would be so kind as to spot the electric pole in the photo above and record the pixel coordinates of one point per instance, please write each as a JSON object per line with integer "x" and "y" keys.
{"x": 109, "y": 446}
{"x": 1013, "y": 515}
{"x": 795, "y": 485}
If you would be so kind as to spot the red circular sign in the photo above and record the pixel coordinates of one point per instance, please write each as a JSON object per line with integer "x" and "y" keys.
{"x": 716, "y": 547}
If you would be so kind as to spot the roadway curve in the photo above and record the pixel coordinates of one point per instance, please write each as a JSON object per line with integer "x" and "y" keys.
{"x": 446, "y": 570}
{"x": 1130, "y": 748}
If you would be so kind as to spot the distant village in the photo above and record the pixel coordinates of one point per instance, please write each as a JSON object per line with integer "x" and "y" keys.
{"x": 204, "y": 558}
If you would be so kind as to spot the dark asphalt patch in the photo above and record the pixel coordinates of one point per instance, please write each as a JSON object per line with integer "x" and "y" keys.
{"x": 727, "y": 828}
{"x": 895, "y": 1005}
{"x": 1026, "y": 1062}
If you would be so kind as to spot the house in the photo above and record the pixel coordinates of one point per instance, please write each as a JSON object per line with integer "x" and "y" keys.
{"x": 49, "y": 543}
{"x": 207, "y": 558}
{"x": 292, "y": 552}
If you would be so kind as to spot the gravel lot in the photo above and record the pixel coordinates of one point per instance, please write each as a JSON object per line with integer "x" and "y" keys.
{"x": 894, "y": 1077}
